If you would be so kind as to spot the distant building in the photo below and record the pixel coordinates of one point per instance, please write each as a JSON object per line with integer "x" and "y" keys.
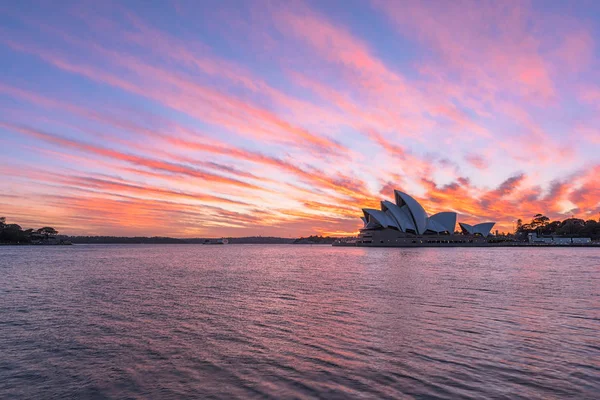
{"x": 556, "y": 240}
{"x": 582, "y": 240}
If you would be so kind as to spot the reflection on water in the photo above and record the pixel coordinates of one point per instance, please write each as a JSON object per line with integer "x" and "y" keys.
{"x": 174, "y": 321}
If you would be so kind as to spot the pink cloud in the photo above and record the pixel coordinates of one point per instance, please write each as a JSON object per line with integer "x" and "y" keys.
{"x": 492, "y": 45}
{"x": 334, "y": 126}
{"x": 476, "y": 160}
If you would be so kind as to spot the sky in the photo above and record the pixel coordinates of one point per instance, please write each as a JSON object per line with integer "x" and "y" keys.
{"x": 285, "y": 118}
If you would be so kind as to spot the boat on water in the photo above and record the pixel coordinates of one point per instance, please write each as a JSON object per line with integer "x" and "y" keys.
{"x": 216, "y": 241}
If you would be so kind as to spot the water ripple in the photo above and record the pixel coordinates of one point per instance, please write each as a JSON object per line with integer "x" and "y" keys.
{"x": 271, "y": 322}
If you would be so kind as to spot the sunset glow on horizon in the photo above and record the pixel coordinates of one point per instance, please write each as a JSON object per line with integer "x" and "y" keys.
{"x": 232, "y": 118}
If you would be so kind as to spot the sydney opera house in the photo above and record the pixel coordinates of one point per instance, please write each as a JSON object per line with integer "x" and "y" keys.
{"x": 405, "y": 223}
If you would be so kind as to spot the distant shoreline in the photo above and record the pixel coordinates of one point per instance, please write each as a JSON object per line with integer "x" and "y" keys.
{"x": 466, "y": 245}
{"x": 292, "y": 242}
{"x": 170, "y": 240}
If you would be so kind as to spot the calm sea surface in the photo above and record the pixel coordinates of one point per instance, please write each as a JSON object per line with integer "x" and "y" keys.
{"x": 252, "y": 321}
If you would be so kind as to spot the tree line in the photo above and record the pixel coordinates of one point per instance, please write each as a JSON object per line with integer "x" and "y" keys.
{"x": 14, "y": 234}
{"x": 540, "y": 224}
{"x": 315, "y": 239}
{"x": 571, "y": 227}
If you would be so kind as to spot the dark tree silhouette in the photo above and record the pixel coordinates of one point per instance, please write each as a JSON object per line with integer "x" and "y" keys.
{"x": 540, "y": 220}
{"x": 14, "y": 234}
{"x": 47, "y": 231}
{"x": 519, "y": 224}
{"x": 573, "y": 227}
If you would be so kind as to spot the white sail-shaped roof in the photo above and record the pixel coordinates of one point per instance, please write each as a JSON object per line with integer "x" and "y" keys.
{"x": 418, "y": 214}
{"x": 372, "y": 215}
{"x": 400, "y": 214}
{"x": 446, "y": 219}
{"x": 466, "y": 228}
{"x": 483, "y": 229}
{"x": 393, "y": 213}
{"x": 434, "y": 226}
{"x": 407, "y": 219}
{"x": 391, "y": 219}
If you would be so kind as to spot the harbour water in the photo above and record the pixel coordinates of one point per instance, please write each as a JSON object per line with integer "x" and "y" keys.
{"x": 285, "y": 321}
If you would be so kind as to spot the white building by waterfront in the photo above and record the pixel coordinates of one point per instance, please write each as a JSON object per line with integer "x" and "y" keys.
{"x": 405, "y": 222}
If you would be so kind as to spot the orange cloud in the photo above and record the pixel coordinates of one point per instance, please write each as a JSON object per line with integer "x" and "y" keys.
{"x": 183, "y": 131}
